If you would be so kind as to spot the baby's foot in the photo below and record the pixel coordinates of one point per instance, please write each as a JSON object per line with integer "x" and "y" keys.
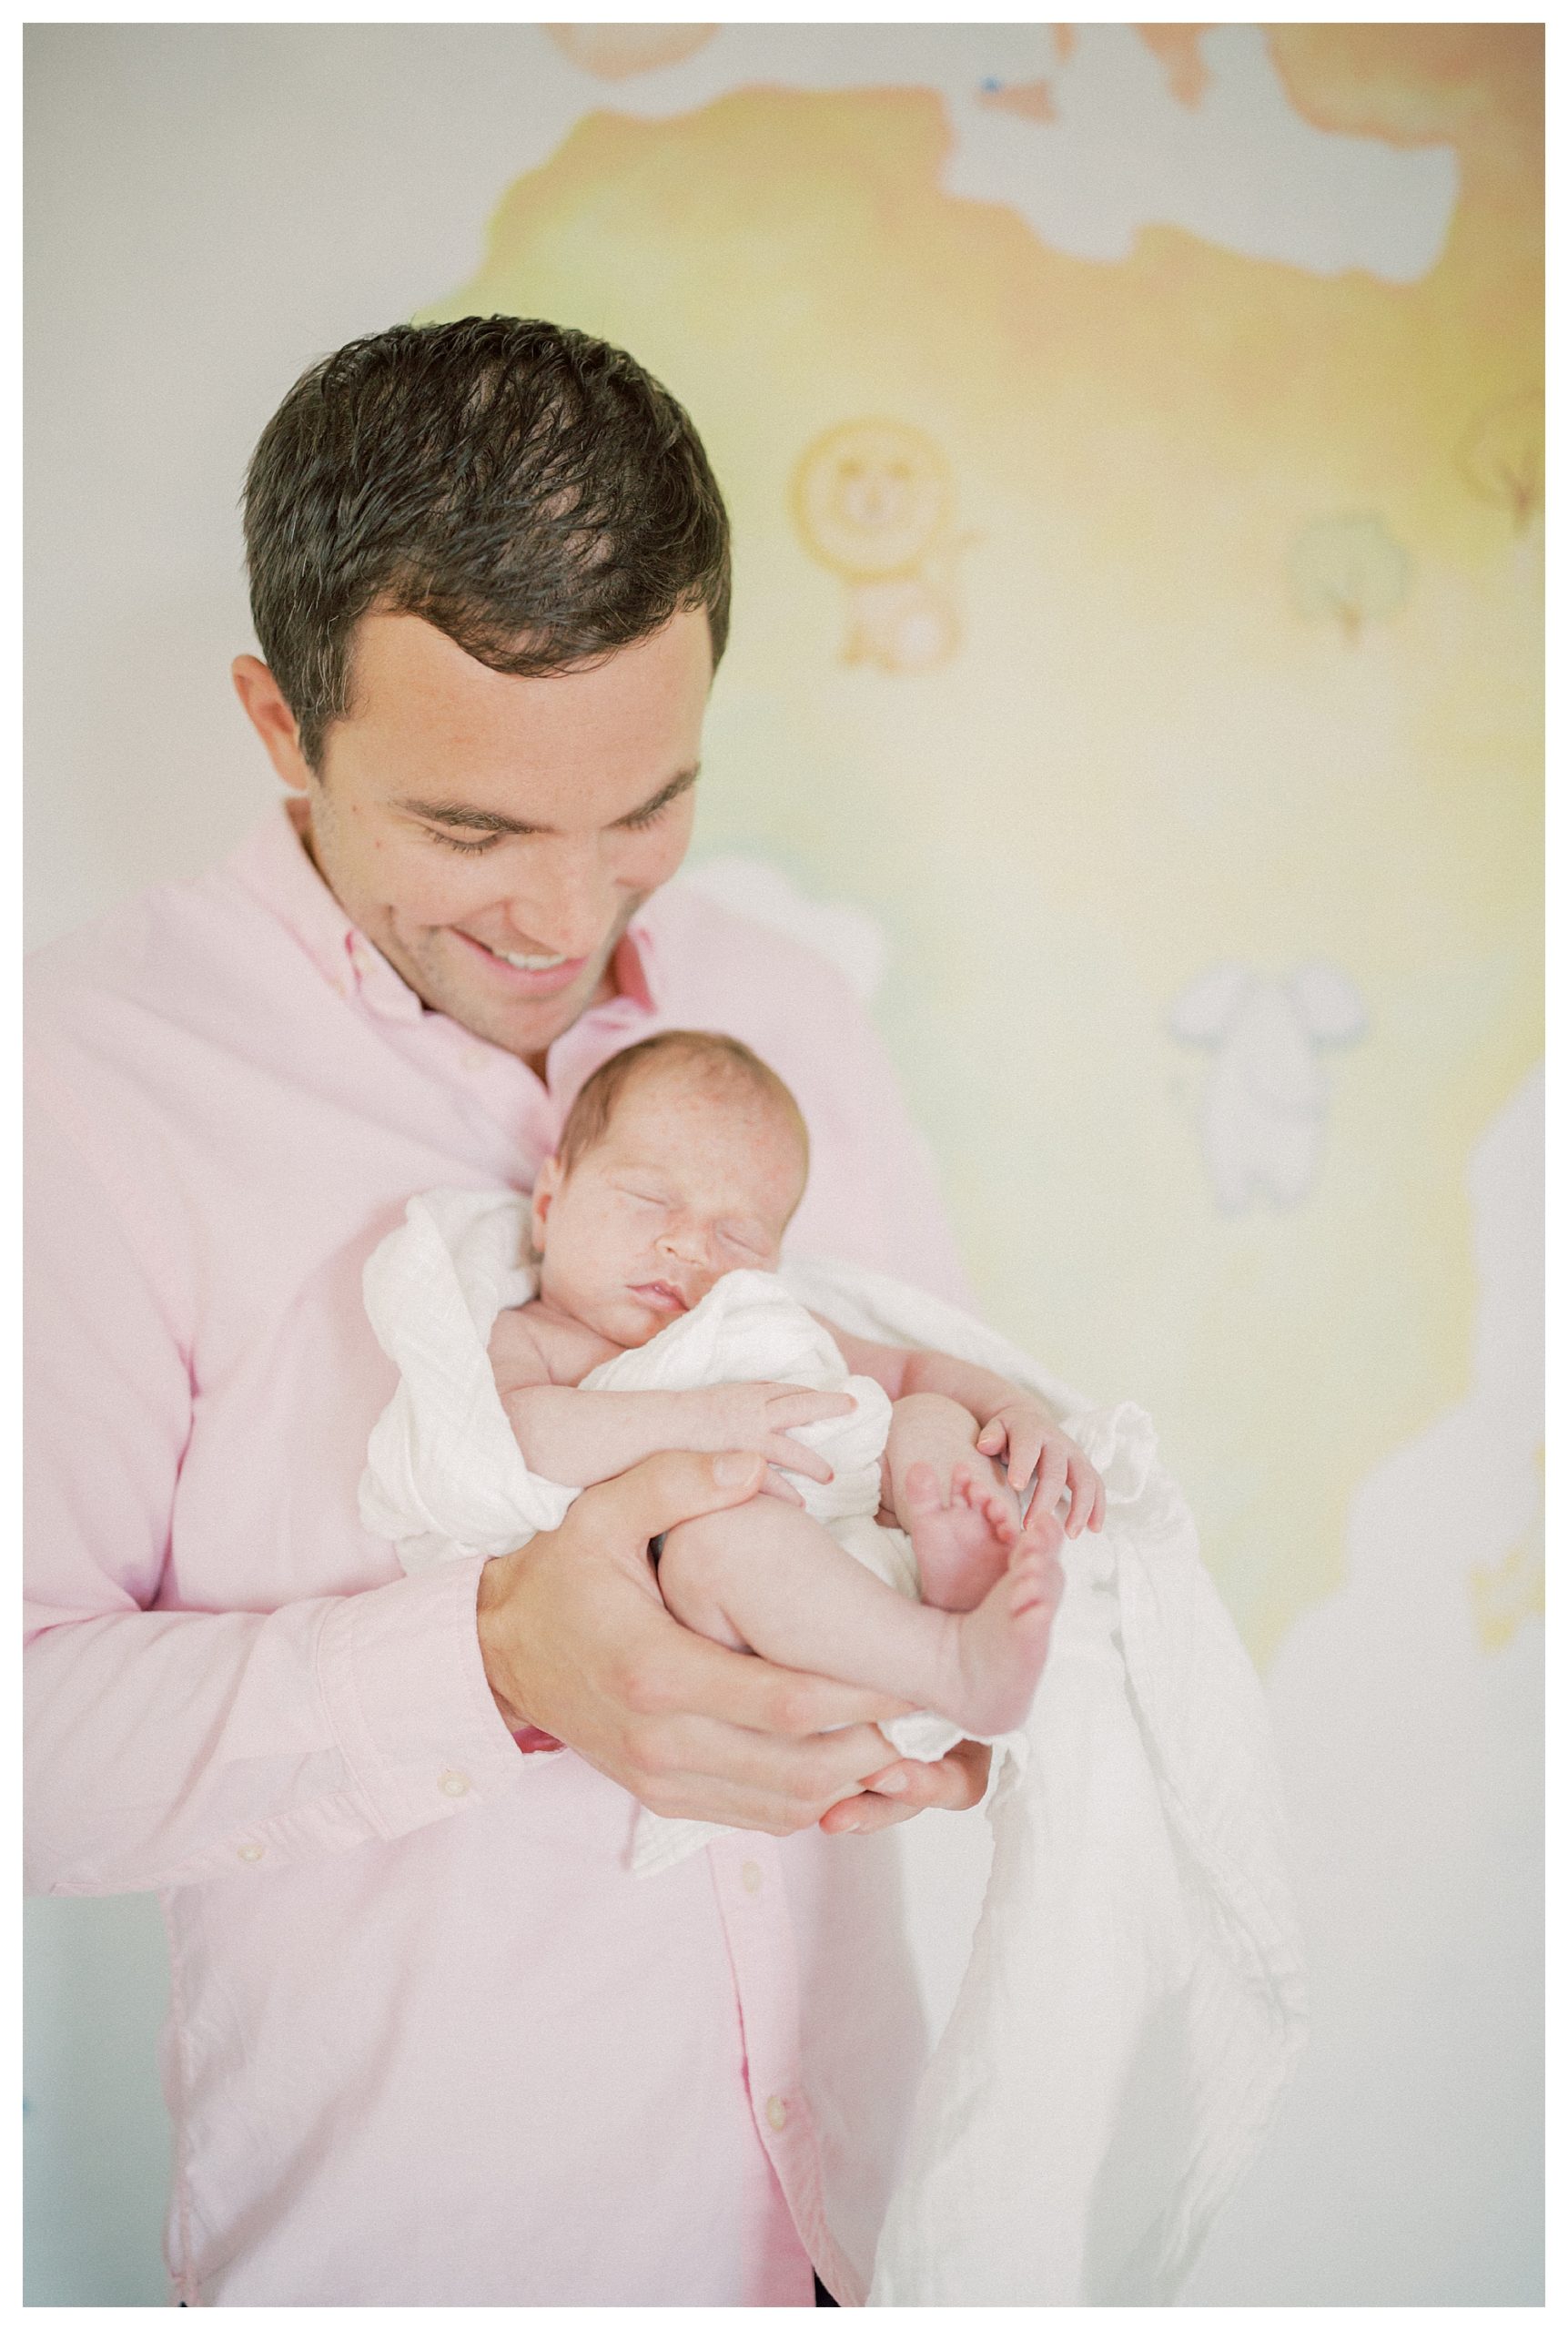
{"x": 961, "y": 1540}
{"x": 1001, "y": 1646}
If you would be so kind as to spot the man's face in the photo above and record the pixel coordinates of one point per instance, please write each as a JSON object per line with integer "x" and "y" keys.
{"x": 493, "y": 836}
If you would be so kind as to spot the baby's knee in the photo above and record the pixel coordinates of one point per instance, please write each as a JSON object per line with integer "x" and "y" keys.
{"x": 695, "y": 1552}
{"x": 697, "y": 1567}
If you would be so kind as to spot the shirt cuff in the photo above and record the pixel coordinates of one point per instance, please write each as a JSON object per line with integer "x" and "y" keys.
{"x": 404, "y": 1689}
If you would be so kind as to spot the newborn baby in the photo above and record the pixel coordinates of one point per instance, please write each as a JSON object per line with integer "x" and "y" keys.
{"x": 683, "y": 1159}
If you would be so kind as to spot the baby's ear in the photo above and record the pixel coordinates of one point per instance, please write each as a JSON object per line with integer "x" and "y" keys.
{"x": 546, "y": 1182}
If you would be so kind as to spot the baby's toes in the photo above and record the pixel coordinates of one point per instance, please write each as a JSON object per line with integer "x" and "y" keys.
{"x": 999, "y": 1516}
{"x": 922, "y": 1490}
{"x": 1037, "y": 1580}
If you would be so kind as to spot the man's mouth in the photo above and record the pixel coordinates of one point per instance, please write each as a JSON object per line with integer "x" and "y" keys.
{"x": 528, "y": 962}
{"x": 533, "y": 973}
{"x": 659, "y": 1295}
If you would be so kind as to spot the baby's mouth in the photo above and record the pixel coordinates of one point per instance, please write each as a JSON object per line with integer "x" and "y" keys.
{"x": 659, "y": 1295}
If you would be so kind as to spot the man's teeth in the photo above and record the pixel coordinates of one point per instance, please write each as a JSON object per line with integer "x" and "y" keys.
{"x": 530, "y": 962}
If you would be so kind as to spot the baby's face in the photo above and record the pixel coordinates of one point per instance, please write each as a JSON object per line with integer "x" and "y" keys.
{"x": 693, "y": 1178}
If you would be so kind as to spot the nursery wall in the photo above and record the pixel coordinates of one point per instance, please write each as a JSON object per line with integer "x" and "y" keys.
{"x": 1134, "y": 441}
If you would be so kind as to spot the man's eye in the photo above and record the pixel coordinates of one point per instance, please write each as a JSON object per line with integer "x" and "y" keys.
{"x": 644, "y": 818}
{"x": 465, "y": 849}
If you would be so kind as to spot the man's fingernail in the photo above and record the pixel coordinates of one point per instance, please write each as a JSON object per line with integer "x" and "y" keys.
{"x": 891, "y": 1784}
{"x": 732, "y": 1467}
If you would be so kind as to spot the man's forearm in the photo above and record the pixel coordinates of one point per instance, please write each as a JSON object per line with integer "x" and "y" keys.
{"x": 578, "y": 1437}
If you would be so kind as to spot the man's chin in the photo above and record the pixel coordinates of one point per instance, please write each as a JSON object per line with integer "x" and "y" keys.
{"x": 526, "y": 1027}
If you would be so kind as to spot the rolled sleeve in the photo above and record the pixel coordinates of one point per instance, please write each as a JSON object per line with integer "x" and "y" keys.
{"x": 405, "y": 1691}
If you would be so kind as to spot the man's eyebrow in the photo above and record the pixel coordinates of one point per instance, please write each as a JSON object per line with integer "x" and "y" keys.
{"x": 662, "y": 798}
{"x": 491, "y": 821}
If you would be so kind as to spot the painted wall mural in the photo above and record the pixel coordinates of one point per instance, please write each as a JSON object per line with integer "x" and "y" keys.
{"x": 1159, "y": 572}
{"x": 614, "y": 52}
{"x": 1265, "y": 1103}
{"x": 873, "y": 500}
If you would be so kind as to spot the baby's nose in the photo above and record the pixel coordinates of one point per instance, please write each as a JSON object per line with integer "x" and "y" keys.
{"x": 685, "y": 1240}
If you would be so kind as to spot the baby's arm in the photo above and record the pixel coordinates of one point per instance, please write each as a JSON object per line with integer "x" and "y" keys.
{"x": 578, "y": 1437}
{"x": 1011, "y": 1422}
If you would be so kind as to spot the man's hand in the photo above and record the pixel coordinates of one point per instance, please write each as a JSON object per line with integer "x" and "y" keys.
{"x": 1029, "y": 1436}
{"x": 576, "y": 1640}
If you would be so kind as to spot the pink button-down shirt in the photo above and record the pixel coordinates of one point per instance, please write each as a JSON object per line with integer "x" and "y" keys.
{"x": 429, "y": 2041}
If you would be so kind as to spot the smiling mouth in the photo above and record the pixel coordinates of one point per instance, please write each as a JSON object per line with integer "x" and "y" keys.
{"x": 559, "y": 970}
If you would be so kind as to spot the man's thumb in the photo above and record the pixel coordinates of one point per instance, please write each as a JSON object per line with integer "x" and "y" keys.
{"x": 678, "y": 1485}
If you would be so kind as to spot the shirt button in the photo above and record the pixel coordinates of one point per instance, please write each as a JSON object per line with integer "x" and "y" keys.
{"x": 778, "y": 2112}
{"x": 251, "y": 1852}
{"x": 453, "y": 1783}
{"x": 751, "y": 1876}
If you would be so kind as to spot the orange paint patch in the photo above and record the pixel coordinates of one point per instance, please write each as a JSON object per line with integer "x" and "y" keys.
{"x": 1175, "y": 46}
{"x": 615, "y": 52}
{"x": 1030, "y": 100}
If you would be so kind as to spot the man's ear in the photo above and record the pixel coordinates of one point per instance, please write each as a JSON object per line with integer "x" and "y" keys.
{"x": 269, "y": 715}
{"x": 546, "y": 1184}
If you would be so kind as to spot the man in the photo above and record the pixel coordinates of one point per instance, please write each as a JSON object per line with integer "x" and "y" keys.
{"x": 429, "y": 2043}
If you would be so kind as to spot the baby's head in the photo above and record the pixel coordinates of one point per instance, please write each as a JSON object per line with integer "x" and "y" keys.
{"x": 682, "y": 1158}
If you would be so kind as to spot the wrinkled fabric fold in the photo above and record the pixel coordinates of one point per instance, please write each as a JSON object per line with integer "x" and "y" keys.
{"x": 1134, "y": 1998}
{"x": 444, "y": 1476}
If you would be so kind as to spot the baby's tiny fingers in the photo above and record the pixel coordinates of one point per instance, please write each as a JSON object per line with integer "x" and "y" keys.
{"x": 782, "y": 1450}
{"x": 1078, "y": 1502}
{"x": 1085, "y": 1485}
{"x": 1053, "y": 1478}
{"x": 789, "y": 1406}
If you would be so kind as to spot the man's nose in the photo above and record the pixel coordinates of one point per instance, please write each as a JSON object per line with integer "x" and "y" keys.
{"x": 570, "y": 907}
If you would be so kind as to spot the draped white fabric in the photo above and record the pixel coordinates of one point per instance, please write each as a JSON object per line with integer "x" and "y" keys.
{"x": 1134, "y": 2000}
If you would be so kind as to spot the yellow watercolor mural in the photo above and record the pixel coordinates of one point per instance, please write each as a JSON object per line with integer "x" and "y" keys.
{"x": 1207, "y": 846}
{"x": 616, "y": 52}
{"x": 873, "y": 500}
{"x": 1503, "y": 1596}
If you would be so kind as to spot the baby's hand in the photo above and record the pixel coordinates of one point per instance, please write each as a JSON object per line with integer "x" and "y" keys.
{"x": 1033, "y": 1439}
{"x": 759, "y": 1418}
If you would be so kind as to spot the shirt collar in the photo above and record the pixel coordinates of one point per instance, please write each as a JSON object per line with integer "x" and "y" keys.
{"x": 635, "y": 963}
{"x": 275, "y": 863}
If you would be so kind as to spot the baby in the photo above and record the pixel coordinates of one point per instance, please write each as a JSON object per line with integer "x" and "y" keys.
{"x": 684, "y": 1159}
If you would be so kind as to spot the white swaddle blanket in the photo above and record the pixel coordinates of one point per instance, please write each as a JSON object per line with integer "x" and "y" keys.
{"x": 1134, "y": 2000}
{"x": 442, "y": 1481}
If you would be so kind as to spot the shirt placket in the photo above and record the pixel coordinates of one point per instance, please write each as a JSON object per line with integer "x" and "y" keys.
{"x": 748, "y": 1877}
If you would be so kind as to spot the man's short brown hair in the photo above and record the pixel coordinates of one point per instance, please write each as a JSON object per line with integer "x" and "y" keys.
{"x": 530, "y": 490}
{"x": 723, "y": 1059}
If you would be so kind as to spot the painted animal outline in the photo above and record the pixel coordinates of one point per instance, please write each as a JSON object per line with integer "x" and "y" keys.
{"x": 874, "y": 501}
{"x": 1264, "y": 1111}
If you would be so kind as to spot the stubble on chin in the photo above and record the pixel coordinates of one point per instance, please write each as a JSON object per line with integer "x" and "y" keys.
{"x": 528, "y": 1034}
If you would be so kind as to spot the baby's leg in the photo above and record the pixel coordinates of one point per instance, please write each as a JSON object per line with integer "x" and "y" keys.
{"x": 767, "y": 1578}
{"x": 961, "y": 1520}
